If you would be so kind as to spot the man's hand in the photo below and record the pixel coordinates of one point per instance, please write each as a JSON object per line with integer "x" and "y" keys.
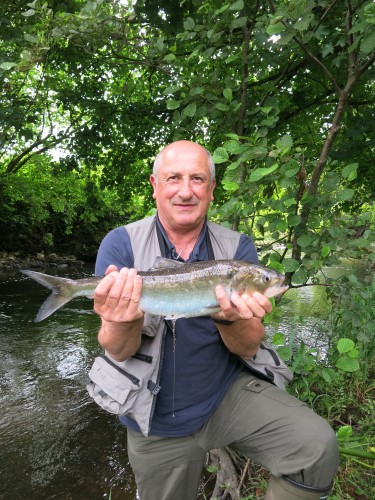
{"x": 244, "y": 336}
{"x": 117, "y": 296}
{"x": 241, "y": 306}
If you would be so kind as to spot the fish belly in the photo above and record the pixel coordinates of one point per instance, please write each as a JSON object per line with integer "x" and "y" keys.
{"x": 179, "y": 304}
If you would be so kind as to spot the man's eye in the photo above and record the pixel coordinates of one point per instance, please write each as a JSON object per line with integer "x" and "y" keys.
{"x": 197, "y": 179}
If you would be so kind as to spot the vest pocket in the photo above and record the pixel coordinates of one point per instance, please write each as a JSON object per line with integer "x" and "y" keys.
{"x": 112, "y": 387}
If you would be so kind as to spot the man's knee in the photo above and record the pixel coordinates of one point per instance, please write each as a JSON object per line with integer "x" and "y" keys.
{"x": 319, "y": 439}
{"x": 318, "y": 457}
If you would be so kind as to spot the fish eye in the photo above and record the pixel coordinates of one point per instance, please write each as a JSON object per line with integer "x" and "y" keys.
{"x": 267, "y": 278}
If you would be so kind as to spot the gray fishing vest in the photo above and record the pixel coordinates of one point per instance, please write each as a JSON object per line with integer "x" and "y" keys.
{"x": 130, "y": 387}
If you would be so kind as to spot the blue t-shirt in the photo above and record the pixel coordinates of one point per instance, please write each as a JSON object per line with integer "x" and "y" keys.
{"x": 197, "y": 368}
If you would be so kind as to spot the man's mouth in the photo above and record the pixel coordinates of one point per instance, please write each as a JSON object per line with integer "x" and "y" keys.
{"x": 184, "y": 205}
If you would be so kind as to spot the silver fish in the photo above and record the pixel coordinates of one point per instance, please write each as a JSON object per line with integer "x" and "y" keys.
{"x": 173, "y": 289}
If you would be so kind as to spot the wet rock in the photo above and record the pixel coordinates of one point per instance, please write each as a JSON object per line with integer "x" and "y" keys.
{"x": 15, "y": 261}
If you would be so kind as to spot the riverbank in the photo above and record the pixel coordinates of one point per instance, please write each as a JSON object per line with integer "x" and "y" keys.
{"x": 14, "y": 261}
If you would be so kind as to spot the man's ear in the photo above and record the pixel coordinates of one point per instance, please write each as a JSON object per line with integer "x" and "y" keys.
{"x": 153, "y": 182}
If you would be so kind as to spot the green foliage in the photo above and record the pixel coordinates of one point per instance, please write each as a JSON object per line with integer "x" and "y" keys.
{"x": 337, "y": 378}
{"x": 111, "y": 84}
{"x": 349, "y": 354}
{"x": 42, "y": 210}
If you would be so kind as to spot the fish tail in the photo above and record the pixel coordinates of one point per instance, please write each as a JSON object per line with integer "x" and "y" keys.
{"x": 62, "y": 292}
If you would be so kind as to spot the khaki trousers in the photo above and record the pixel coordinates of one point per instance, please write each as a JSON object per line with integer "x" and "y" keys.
{"x": 256, "y": 418}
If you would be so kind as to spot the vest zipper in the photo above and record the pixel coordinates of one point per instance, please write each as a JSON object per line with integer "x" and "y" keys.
{"x": 174, "y": 364}
{"x": 158, "y": 375}
{"x": 123, "y": 372}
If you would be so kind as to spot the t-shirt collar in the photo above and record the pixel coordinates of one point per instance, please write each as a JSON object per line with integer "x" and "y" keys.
{"x": 170, "y": 249}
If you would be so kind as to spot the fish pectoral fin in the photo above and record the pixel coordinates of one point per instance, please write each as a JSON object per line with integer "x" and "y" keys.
{"x": 163, "y": 263}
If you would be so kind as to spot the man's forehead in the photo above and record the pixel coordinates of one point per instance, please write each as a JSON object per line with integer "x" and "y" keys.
{"x": 184, "y": 171}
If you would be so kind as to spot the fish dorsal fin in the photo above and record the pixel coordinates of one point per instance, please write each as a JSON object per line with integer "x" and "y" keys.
{"x": 163, "y": 263}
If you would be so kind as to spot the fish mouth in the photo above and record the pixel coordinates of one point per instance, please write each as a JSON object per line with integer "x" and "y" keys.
{"x": 275, "y": 290}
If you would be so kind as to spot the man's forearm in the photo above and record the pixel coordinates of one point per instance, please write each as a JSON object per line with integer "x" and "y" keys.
{"x": 120, "y": 340}
{"x": 242, "y": 337}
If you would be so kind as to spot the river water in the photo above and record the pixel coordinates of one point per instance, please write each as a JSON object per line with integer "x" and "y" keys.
{"x": 54, "y": 442}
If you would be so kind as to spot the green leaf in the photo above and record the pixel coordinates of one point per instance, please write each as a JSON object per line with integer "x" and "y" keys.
{"x": 327, "y": 49}
{"x": 230, "y": 186}
{"x": 278, "y": 339}
{"x": 220, "y": 155}
{"x": 368, "y": 43}
{"x": 353, "y": 279}
{"x": 369, "y": 12}
{"x": 282, "y": 226}
{"x": 292, "y": 168}
{"x": 285, "y": 142}
{"x": 268, "y": 122}
{"x": 354, "y": 353}
{"x": 345, "y": 345}
{"x": 285, "y": 37}
{"x": 221, "y": 106}
{"x": 285, "y": 353}
{"x": 266, "y": 109}
{"x": 189, "y": 24}
{"x": 290, "y": 265}
{"x": 196, "y": 91}
{"x": 300, "y": 277}
{"x": 277, "y": 266}
{"x": 7, "y": 65}
{"x": 326, "y": 250}
{"x": 28, "y": 13}
{"x": 239, "y": 22}
{"x": 345, "y": 432}
{"x": 239, "y": 5}
{"x": 172, "y": 104}
{"x": 328, "y": 375}
{"x": 171, "y": 90}
{"x": 190, "y": 110}
{"x": 30, "y": 38}
{"x": 232, "y": 146}
{"x": 303, "y": 23}
{"x": 304, "y": 240}
{"x": 221, "y": 10}
{"x": 227, "y": 93}
{"x": 346, "y": 194}
{"x": 294, "y": 220}
{"x": 169, "y": 58}
{"x": 289, "y": 203}
{"x": 275, "y": 29}
{"x": 350, "y": 171}
{"x": 259, "y": 173}
{"x": 233, "y": 165}
{"x": 348, "y": 364}
{"x": 160, "y": 43}
{"x": 361, "y": 243}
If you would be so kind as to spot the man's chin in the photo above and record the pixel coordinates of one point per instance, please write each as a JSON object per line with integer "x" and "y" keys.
{"x": 187, "y": 218}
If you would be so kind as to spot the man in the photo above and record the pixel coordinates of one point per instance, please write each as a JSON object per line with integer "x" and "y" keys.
{"x": 194, "y": 391}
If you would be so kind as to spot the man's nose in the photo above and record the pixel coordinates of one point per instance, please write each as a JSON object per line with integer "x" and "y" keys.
{"x": 185, "y": 190}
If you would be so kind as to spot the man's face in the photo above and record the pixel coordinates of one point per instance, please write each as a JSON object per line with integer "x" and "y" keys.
{"x": 183, "y": 189}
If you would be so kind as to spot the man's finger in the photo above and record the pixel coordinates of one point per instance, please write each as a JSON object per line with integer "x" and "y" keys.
{"x": 110, "y": 269}
{"x": 136, "y": 295}
{"x": 103, "y": 288}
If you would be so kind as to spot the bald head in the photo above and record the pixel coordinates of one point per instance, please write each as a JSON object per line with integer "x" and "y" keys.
{"x": 181, "y": 148}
